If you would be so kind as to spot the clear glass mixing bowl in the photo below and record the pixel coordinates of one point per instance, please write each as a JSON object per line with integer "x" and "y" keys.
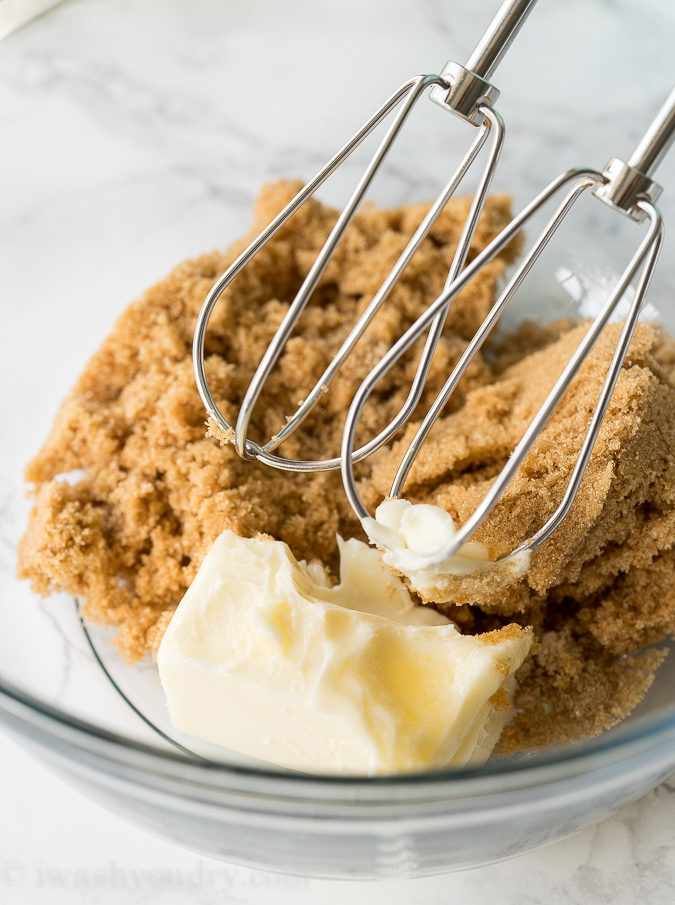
{"x": 64, "y": 694}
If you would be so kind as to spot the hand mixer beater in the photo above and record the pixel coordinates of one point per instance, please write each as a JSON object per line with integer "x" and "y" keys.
{"x": 626, "y": 187}
{"x": 465, "y": 91}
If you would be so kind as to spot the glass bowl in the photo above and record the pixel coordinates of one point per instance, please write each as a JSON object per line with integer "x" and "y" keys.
{"x": 64, "y": 694}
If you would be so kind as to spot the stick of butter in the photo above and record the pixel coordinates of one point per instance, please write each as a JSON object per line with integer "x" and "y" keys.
{"x": 264, "y": 657}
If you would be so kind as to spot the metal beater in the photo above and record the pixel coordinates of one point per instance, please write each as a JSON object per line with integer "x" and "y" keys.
{"x": 463, "y": 90}
{"x": 625, "y": 186}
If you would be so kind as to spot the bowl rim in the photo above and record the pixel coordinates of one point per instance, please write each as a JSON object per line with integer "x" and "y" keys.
{"x": 44, "y": 723}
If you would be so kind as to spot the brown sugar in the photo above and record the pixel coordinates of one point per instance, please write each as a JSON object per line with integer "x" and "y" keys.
{"x": 129, "y": 536}
{"x": 627, "y": 493}
{"x": 157, "y": 488}
{"x": 603, "y": 584}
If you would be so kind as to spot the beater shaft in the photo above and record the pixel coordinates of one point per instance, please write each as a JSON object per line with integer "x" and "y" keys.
{"x": 498, "y": 37}
{"x": 656, "y": 142}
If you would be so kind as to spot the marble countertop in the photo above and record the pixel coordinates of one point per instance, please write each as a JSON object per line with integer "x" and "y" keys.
{"x": 135, "y": 135}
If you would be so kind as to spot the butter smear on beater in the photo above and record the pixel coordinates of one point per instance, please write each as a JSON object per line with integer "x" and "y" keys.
{"x": 412, "y": 538}
{"x": 265, "y": 657}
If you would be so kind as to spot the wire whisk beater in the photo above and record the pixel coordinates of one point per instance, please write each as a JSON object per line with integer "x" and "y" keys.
{"x": 626, "y": 187}
{"x": 464, "y": 91}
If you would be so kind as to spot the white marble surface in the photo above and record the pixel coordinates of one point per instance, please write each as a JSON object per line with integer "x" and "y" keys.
{"x": 136, "y": 134}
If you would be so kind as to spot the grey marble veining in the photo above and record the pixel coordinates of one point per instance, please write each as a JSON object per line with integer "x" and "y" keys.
{"x": 134, "y": 135}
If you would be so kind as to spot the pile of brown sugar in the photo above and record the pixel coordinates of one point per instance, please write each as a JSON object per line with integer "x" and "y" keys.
{"x": 603, "y": 585}
{"x": 128, "y": 537}
{"x": 156, "y": 489}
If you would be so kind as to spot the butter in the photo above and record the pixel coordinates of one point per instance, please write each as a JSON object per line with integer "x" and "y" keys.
{"x": 264, "y": 657}
{"x": 415, "y": 538}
